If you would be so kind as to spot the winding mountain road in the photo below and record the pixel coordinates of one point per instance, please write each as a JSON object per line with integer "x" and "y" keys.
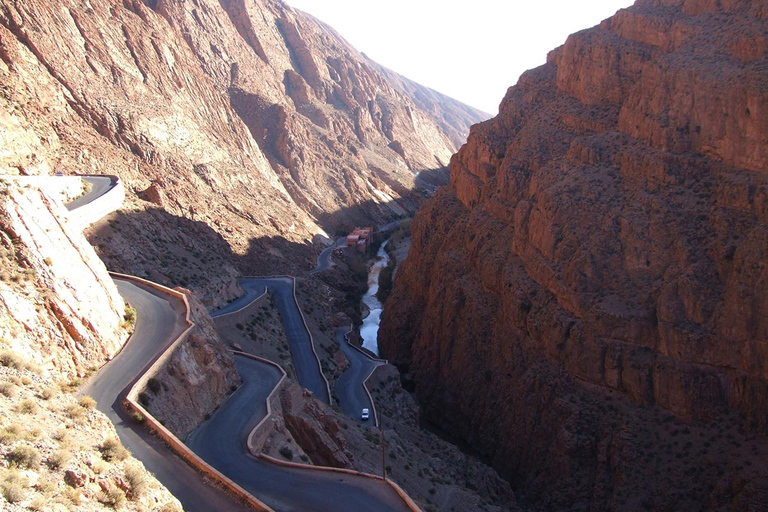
{"x": 305, "y": 362}
{"x": 159, "y": 322}
{"x": 100, "y": 185}
{"x": 324, "y": 258}
{"x": 221, "y": 439}
{"x": 350, "y": 386}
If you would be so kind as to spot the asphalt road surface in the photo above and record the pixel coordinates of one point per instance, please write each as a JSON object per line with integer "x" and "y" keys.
{"x": 349, "y": 386}
{"x": 304, "y": 361}
{"x": 220, "y": 441}
{"x": 100, "y": 185}
{"x": 324, "y": 258}
{"x": 159, "y": 322}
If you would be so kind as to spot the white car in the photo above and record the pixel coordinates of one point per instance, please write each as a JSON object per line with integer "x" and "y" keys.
{"x": 366, "y": 414}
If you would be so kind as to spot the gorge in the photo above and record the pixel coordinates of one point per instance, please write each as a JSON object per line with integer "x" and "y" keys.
{"x": 584, "y": 307}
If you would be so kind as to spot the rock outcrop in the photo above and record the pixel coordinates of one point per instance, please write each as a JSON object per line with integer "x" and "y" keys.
{"x": 245, "y": 117}
{"x": 58, "y": 304}
{"x": 197, "y": 378}
{"x": 586, "y": 302}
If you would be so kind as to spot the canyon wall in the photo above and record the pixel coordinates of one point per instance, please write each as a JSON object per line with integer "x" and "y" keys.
{"x": 251, "y": 124}
{"x": 586, "y": 303}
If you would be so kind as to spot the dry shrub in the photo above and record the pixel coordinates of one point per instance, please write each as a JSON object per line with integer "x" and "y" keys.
{"x": 27, "y": 407}
{"x": 87, "y": 402}
{"x": 59, "y": 459}
{"x": 7, "y": 389}
{"x": 14, "y": 487}
{"x": 138, "y": 481}
{"x": 24, "y": 456}
{"x": 10, "y": 434}
{"x": 112, "y": 450}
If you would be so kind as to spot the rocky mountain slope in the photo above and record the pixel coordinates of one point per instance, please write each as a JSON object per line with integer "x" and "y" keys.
{"x": 61, "y": 318}
{"x": 588, "y": 306}
{"x": 57, "y": 302}
{"x": 249, "y": 123}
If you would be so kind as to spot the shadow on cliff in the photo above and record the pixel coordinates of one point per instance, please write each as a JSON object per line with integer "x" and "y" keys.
{"x": 371, "y": 213}
{"x": 180, "y": 251}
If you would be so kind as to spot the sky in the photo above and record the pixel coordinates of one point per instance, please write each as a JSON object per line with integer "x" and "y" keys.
{"x": 472, "y": 52}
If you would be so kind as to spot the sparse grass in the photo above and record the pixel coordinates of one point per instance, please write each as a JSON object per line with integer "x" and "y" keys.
{"x": 87, "y": 402}
{"x": 48, "y": 393}
{"x": 27, "y": 407}
{"x": 112, "y": 450}
{"x": 14, "y": 487}
{"x": 24, "y": 456}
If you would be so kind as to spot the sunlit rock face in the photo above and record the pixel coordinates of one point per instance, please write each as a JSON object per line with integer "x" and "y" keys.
{"x": 241, "y": 128}
{"x": 586, "y": 302}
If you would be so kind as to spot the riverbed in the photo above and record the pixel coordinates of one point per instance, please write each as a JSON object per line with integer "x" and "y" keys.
{"x": 369, "y": 331}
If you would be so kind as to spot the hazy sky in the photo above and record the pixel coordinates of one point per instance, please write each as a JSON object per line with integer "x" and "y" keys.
{"x": 472, "y": 52}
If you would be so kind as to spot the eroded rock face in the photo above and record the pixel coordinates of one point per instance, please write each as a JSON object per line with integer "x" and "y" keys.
{"x": 314, "y": 428}
{"x": 245, "y": 116}
{"x": 198, "y": 377}
{"x": 58, "y": 304}
{"x": 598, "y": 261}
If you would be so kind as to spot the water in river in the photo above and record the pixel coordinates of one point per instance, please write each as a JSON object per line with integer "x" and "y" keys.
{"x": 370, "y": 328}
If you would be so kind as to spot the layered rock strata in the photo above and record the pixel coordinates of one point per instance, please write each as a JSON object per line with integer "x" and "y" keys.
{"x": 592, "y": 284}
{"x": 59, "y": 307}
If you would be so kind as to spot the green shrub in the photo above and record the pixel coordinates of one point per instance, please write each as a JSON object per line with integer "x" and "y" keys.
{"x": 137, "y": 417}
{"x": 154, "y": 385}
{"x": 24, "y": 456}
{"x": 130, "y": 315}
{"x": 286, "y": 452}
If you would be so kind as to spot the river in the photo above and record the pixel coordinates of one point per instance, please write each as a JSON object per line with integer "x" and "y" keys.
{"x": 370, "y": 329}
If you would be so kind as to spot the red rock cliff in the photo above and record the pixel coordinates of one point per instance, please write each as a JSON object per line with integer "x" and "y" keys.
{"x": 587, "y": 302}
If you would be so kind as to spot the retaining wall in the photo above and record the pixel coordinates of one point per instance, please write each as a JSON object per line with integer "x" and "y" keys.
{"x": 103, "y": 205}
{"x": 132, "y": 405}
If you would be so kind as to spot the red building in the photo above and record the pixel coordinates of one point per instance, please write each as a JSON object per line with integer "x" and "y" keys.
{"x": 360, "y": 239}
